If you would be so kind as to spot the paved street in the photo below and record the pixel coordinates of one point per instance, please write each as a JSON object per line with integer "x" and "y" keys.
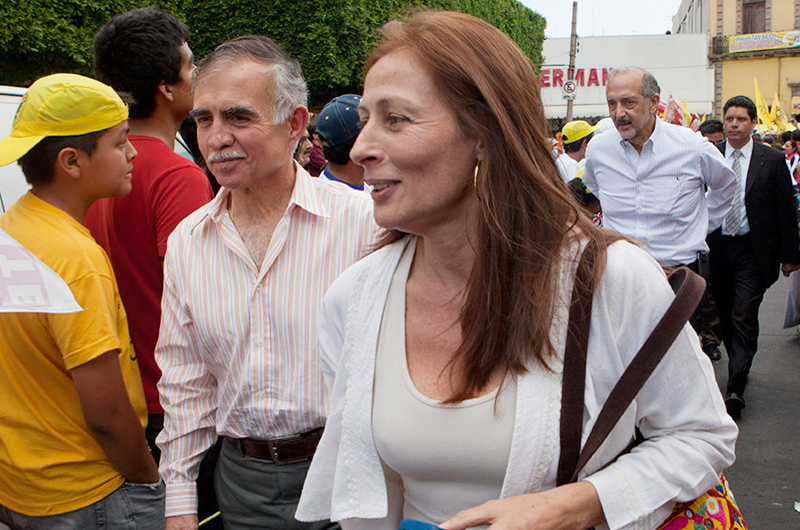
{"x": 766, "y": 475}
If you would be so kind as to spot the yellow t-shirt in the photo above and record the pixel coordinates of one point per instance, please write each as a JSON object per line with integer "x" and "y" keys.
{"x": 49, "y": 461}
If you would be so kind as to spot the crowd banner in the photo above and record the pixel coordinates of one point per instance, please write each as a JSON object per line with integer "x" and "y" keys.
{"x": 773, "y": 40}
{"x": 29, "y": 286}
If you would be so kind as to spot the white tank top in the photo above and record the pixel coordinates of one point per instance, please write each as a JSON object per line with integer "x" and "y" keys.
{"x": 450, "y": 457}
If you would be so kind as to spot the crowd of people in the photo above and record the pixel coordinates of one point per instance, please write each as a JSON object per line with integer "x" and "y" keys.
{"x": 362, "y": 320}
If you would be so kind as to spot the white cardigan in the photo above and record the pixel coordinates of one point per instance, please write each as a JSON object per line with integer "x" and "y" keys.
{"x": 690, "y": 437}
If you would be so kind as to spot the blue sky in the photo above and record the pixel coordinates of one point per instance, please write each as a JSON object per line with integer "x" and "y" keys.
{"x": 597, "y": 18}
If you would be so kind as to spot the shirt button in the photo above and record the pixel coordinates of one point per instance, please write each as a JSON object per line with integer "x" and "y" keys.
{"x": 259, "y": 341}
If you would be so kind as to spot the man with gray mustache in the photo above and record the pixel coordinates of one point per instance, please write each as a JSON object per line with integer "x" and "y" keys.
{"x": 225, "y": 157}
{"x": 651, "y": 177}
{"x": 244, "y": 278}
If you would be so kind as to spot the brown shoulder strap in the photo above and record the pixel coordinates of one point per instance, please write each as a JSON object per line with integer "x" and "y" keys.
{"x": 574, "y": 379}
{"x": 689, "y": 288}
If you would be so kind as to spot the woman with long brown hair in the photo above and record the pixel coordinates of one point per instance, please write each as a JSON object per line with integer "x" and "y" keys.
{"x": 443, "y": 350}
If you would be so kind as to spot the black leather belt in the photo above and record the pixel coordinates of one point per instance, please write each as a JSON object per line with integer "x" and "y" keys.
{"x": 286, "y": 450}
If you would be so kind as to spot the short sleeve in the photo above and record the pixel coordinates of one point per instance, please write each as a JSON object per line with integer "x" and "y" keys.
{"x": 175, "y": 196}
{"x": 85, "y": 335}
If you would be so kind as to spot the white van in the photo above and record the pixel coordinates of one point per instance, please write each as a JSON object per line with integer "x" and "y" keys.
{"x": 12, "y": 181}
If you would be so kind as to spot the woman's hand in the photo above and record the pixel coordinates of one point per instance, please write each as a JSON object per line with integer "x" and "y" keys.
{"x": 570, "y": 507}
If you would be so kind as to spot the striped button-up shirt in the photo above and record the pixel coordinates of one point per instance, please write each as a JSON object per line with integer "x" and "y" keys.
{"x": 658, "y": 196}
{"x": 238, "y": 342}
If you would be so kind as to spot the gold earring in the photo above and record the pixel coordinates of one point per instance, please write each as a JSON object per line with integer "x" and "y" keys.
{"x": 475, "y": 175}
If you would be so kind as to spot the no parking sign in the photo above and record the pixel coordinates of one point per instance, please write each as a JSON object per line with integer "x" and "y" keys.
{"x": 569, "y": 88}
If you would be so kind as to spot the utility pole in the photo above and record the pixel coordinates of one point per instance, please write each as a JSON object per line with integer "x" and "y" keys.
{"x": 573, "y": 44}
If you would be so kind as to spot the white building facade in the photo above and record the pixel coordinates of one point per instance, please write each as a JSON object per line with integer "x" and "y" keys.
{"x": 678, "y": 62}
{"x": 693, "y": 16}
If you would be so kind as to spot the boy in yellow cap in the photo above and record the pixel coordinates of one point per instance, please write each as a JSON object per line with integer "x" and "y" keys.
{"x": 72, "y": 447}
{"x": 575, "y": 135}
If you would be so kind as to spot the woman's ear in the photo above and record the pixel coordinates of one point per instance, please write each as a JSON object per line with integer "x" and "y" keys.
{"x": 480, "y": 151}
{"x": 69, "y": 161}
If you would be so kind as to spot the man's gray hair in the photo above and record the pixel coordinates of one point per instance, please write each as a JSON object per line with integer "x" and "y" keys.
{"x": 649, "y": 84}
{"x": 287, "y": 76}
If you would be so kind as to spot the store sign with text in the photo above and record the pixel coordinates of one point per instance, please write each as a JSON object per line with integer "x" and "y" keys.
{"x": 774, "y": 40}
{"x": 556, "y": 77}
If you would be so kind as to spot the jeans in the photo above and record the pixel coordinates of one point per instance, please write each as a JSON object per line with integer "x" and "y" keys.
{"x": 131, "y": 507}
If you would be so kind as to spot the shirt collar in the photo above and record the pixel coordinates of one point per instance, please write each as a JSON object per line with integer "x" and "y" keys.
{"x": 304, "y": 195}
{"x": 30, "y": 200}
{"x": 658, "y": 131}
{"x": 746, "y": 149}
{"x": 218, "y": 206}
{"x": 654, "y": 136}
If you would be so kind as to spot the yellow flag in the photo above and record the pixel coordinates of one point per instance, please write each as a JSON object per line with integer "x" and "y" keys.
{"x": 703, "y": 119}
{"x": 781, "y": 120}
{"x": 761, "y": 108}
{"x": 773, "y": 113}
{"x": 687, "y": 116}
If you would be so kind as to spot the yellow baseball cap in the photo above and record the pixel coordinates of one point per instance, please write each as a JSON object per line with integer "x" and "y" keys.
{"x": 61, "y": 105}
{"x": 576, "y": 130}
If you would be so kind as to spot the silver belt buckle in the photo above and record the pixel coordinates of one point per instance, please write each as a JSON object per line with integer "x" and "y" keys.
{"x": 273, "y": 449}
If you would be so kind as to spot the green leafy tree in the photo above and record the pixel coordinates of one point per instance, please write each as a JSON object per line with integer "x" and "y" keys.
{"x": 332, "y": 39}
{"x": 328, "y": 38}
{"x": 41, "y": 37}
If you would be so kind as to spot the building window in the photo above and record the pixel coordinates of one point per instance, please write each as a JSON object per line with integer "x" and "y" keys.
{"x": 754, "y": 16}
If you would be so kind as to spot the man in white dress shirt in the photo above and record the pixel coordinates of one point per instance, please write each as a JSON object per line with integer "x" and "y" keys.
{"x": 651, "y": 177}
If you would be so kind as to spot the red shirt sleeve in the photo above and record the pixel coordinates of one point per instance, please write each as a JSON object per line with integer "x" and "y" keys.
{"x": 175, "y": 196}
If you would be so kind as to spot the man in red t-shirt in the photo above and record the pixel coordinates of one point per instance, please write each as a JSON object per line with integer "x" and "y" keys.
{"x": 145, "y": 54}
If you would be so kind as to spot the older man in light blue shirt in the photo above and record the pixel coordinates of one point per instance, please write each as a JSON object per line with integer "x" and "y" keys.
{"x": 651, "y": 177}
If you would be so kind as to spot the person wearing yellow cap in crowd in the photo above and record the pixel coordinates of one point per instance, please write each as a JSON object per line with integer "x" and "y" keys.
{"x": 575, "y": 135}
{"x": 73, "y": 454}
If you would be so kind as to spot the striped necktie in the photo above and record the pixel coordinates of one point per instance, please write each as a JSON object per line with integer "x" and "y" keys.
{"x": 733, "y": 220}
